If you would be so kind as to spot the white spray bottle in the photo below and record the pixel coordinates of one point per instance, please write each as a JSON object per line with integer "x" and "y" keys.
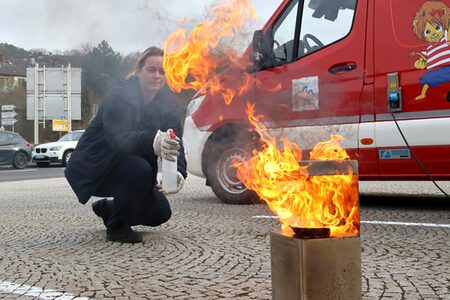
{"x": 169, "y": 171}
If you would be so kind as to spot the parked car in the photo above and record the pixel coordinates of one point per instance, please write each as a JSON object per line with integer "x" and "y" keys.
{"x": 56, "y": 152}
{"x": 14, "y": 150}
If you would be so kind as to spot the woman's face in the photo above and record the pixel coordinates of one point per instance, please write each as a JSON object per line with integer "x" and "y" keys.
{"x": 151, "y": 75}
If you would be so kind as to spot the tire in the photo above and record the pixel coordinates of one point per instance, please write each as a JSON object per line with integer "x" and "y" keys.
{"x": 20, "y": 160}
{"x": 222, "y": 177}
{"x": 42, "y": 164}
{"x": 66, "y": 157}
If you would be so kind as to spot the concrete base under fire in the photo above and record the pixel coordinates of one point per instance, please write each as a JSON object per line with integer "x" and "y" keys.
{"x": 315, "y": 269}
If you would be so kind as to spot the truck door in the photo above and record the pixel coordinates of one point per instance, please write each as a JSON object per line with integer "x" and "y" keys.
{"x": 412, "y": 59}
{"x": 313, "y": 87}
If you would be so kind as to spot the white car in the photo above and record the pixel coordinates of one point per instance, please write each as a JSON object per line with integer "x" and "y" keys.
{"x": 56, "y": 152}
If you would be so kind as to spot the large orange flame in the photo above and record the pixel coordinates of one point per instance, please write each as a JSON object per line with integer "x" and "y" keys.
{"x": 193, "y": 62}
{"x": 301, "y": 200}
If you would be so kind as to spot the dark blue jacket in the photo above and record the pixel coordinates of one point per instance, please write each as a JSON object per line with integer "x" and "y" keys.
{"x": 124, "y": 124}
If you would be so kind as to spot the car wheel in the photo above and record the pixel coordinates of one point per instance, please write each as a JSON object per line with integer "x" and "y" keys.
{"x": 66, "y": 157}
{"x": 222, "y": 176}
{"x": 43, "y": 164}
{"x": 20, "y": 160}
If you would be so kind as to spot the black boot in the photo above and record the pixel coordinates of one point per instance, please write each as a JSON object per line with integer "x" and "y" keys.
{"x": 100, "y": 209}
{"x": 123, "y": 234}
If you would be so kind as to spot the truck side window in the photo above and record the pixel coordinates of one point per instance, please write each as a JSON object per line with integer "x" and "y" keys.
{"x": 284, "y": 34}
{"x": 324, "y": 22}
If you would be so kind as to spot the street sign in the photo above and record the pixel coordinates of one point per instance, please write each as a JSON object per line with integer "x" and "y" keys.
{"x": 8, "y": 114}
{"x": 8, "y": 107}
{"x": 8, "y": 122}
{"x": 60, "y": 125}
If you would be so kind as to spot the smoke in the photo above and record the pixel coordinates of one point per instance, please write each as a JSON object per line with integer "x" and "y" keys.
{"x": 128, "y": 26}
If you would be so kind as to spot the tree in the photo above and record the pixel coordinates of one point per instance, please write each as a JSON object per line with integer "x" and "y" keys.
{"x": 82, "y": 49}
{"x": 13, "y": 51}
{"x": 129, "y": 62}
{"x": 102, "y": 68}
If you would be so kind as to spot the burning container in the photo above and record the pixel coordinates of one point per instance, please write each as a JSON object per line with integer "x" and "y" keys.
{"x": 320, "y": 262}
{"x": 317, "y": 268}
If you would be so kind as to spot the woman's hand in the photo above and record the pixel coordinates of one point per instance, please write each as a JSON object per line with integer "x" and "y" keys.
{"x": 165, "y": 146}
{"x": 180, "y": 185}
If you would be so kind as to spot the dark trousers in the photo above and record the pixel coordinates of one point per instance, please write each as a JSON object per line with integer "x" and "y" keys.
{"x": 136, "y": 201}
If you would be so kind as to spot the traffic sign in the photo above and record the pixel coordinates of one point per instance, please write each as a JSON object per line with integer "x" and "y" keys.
{"x": 8, "y": 114}
{"x": 60, "y": 125}
{"x": 8, "y": 107}
{"x": 8, "y": 122}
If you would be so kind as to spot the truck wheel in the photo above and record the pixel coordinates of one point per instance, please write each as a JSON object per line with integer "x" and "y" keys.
{"x": 66, "y": 157}
{"x": 222, "y": 176}
{"x": 20, "y": 160}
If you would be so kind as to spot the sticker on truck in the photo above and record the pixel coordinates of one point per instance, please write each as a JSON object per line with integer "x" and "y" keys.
{"x": 395, "y": 154}
{"x": 305, "y": 93}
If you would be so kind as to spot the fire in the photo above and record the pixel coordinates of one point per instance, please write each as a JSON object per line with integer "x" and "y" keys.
{"x": 301, "y": 200}
{"x": 194, "y": 61}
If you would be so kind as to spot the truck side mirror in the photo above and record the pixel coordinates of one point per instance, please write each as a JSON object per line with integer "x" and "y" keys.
{"x": 262, "y": 49}
{"x": 257, "y": 55}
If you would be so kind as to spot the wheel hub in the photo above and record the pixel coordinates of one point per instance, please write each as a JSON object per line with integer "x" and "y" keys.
{"x": 227, "y": 174}
{"x": 20, "y": 160}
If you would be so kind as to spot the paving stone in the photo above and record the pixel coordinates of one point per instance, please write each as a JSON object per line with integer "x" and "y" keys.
{"x": 208, "y": 250}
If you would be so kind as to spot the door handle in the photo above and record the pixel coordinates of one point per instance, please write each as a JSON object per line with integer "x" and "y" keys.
{"x": 346, "y": 67}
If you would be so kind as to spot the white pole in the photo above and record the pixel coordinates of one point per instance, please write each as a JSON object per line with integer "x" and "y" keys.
{"x": 36, "y": 112}
{"x": 69, "y": 98}
{"x": 43, "y": 99}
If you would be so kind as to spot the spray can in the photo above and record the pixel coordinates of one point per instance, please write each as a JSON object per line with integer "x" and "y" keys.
{"x": 169, "y": 171}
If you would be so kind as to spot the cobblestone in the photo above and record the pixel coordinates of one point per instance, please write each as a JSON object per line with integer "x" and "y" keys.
{"x": 208, "y": 250}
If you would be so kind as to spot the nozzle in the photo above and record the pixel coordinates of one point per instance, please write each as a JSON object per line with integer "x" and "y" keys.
{"x": 172, "y": 133}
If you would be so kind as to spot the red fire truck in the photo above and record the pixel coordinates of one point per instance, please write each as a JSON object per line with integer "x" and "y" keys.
{"x": 369, "y": 70}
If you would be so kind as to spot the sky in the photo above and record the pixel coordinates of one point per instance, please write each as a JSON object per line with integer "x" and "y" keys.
{"x": 127, "y": 25}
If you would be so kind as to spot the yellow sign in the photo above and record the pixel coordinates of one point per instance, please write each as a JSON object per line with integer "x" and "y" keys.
{"x": 60, "y": 125}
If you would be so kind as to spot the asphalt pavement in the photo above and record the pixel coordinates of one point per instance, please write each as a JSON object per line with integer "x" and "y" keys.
{"x": 55, "y": 248}
{"x": 32, "y": 172}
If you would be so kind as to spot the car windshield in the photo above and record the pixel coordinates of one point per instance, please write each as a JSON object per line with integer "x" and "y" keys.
{"x": 71, "y": 137}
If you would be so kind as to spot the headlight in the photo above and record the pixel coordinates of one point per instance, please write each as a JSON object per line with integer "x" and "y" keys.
{"x": 194, "y": 105}
{"x": 55, "y": 148}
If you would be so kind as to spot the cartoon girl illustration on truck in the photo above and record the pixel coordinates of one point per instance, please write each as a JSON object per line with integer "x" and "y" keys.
{"x": 431, "y": 24}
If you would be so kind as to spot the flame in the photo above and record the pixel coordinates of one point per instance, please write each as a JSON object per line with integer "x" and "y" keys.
{"x": 301, "y": 200}
{"x": 194, "y": 61}
{"x": 276, "y": 88}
